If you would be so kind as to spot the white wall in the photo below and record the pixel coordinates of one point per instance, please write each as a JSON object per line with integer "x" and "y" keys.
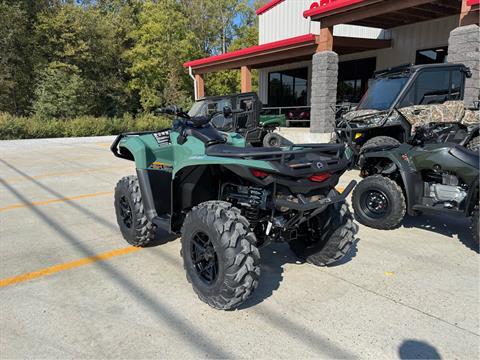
{"x": 286, "y": 20}
{"x": 407, "y": 39}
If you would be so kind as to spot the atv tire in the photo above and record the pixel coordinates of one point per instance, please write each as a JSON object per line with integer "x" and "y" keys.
{"x": 476, "y": 229}
{"x": 474, "y": 144}
{"x": 379, "y": 142}
{"x": 219, "y": 256}
{"x": 333, "y": 236}
{"x": 275, "y": 140}
{"x": 131, "y": 218}
{"x": 379, "y": 203}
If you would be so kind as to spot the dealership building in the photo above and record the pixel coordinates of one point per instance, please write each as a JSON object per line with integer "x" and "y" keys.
{"x": 314, "y": 54}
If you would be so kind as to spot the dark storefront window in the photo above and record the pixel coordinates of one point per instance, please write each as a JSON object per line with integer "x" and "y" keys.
{"x": 431, "y": 56}
{"x": 353, "y": 79}
{"x": 288, "y": 87}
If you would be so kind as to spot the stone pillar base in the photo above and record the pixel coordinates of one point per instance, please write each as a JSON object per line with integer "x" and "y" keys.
{"x": 324, "y": 92}
{"x": 464, "y": 48}
{"x": 304, "y": 136}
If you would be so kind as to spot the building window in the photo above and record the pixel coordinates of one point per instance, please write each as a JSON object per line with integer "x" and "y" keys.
{"x": 288, "y": 87}
{"x": 353, "y": 79}
{"x": 431, "y": 56}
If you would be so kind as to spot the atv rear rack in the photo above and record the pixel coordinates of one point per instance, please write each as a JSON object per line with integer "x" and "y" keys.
{"x": 272, "y": 154}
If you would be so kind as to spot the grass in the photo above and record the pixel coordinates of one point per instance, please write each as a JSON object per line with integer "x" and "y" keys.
{"x": 15, "y": 127}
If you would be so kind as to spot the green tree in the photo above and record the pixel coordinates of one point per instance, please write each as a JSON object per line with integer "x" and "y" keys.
{"x": 61, "y": 92}
{"x": 16, "y": 73}
{"x": 93, "y": 40}
{"x": 245, "y": 35}
{"x": 161, "y": 40}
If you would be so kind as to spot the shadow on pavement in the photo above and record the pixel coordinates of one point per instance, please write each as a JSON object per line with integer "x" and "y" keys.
{"x": 415, "y": 349}
{"x": 444, "y": 225}
{"x": 197, "y": 338}
{"x": 272, "y": 259}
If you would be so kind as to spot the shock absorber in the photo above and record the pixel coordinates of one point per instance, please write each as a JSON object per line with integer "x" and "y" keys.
{"x": 252, "y": 215}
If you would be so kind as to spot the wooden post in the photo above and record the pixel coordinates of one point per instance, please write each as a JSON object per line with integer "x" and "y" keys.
{"x": 469, "y": 14}
{"x": 200, "y": 86}
{"x": 325, "y": 39}
{"x": 246, "y": 79}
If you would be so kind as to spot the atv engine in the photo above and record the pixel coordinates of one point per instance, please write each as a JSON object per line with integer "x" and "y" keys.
{"x": 448, "y": 192}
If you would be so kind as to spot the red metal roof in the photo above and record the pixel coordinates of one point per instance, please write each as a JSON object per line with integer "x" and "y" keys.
{"x": 276, "y": 45}
{"x": 323, "y": 6}
{"x": 268, "y": 6}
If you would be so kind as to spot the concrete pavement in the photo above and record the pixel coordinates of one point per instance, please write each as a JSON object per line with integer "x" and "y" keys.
{"x": 408, "y": 293}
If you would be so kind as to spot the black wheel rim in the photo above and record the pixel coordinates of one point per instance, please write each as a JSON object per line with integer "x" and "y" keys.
{"x": 273, "y": 142}
{"x": 125, "y": 212}
{"x": 375, "y": 204}
{"x": 204, "y": 258}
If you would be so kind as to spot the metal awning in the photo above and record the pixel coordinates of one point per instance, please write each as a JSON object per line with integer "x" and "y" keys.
{"x": 383, "y": 14}
{"x": 281, "y": 52}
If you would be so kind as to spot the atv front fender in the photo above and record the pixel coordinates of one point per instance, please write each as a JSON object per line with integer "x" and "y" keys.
{"x": 133, "y": 148}
{"x": 412, "y": 183}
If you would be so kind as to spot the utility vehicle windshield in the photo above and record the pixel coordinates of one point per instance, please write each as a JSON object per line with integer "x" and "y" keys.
{"x": 382, "y": 93}
{"x": 209, "y": 106}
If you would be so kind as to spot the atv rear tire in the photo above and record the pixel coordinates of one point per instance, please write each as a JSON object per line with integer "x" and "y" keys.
{"x": 476, "y": 229}
{"x": 378, "y": 202}
{"x": 333, "y": 234}
{"x": 275, "y": 140}
{"x": 131, "y": 218}
{"x": 219, "y": 255}
{"x": 379, "y": 142}
{"x": 474, "y": 144}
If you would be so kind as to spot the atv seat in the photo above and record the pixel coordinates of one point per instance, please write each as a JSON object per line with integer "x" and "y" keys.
{"x": 207, "y": 134}
{"x": 223, "y": 150}
{"x": 467, "y": 156}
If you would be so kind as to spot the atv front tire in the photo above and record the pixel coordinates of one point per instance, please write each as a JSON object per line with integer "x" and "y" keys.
{"x": 379, "y": 142}
{"x": 333, "y": 233}
{"x": 378, "y": 202}
{"x": 219, "y": 255}
{"x": 131, "y": 218}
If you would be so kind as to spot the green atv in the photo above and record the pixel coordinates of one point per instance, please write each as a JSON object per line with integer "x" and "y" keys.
{"x": 415, "y": 178}
{"x": 227, "y": 199}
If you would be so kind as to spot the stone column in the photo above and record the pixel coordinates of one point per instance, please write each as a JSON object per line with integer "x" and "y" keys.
{"x": 323, "y": 93}
{"x": 464, "y": 48}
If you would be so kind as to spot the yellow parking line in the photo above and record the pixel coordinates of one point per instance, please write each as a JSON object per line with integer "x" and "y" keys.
{"x": 66, "y": 266}
{"x": 52, "y": 201}
{"x": 60, "y": 173}
{"x": 340, "y": 189}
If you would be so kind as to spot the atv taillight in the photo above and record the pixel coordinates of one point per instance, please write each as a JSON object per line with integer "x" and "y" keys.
{"x": 320, "y": 177}
{"x": 259, "y": 173}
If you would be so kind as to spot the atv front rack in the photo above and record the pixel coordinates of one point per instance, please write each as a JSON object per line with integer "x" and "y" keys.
{"x": 114, "y": 146}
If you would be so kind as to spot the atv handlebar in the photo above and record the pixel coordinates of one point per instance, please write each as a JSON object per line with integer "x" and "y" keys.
{"x": 196, "y": 121}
